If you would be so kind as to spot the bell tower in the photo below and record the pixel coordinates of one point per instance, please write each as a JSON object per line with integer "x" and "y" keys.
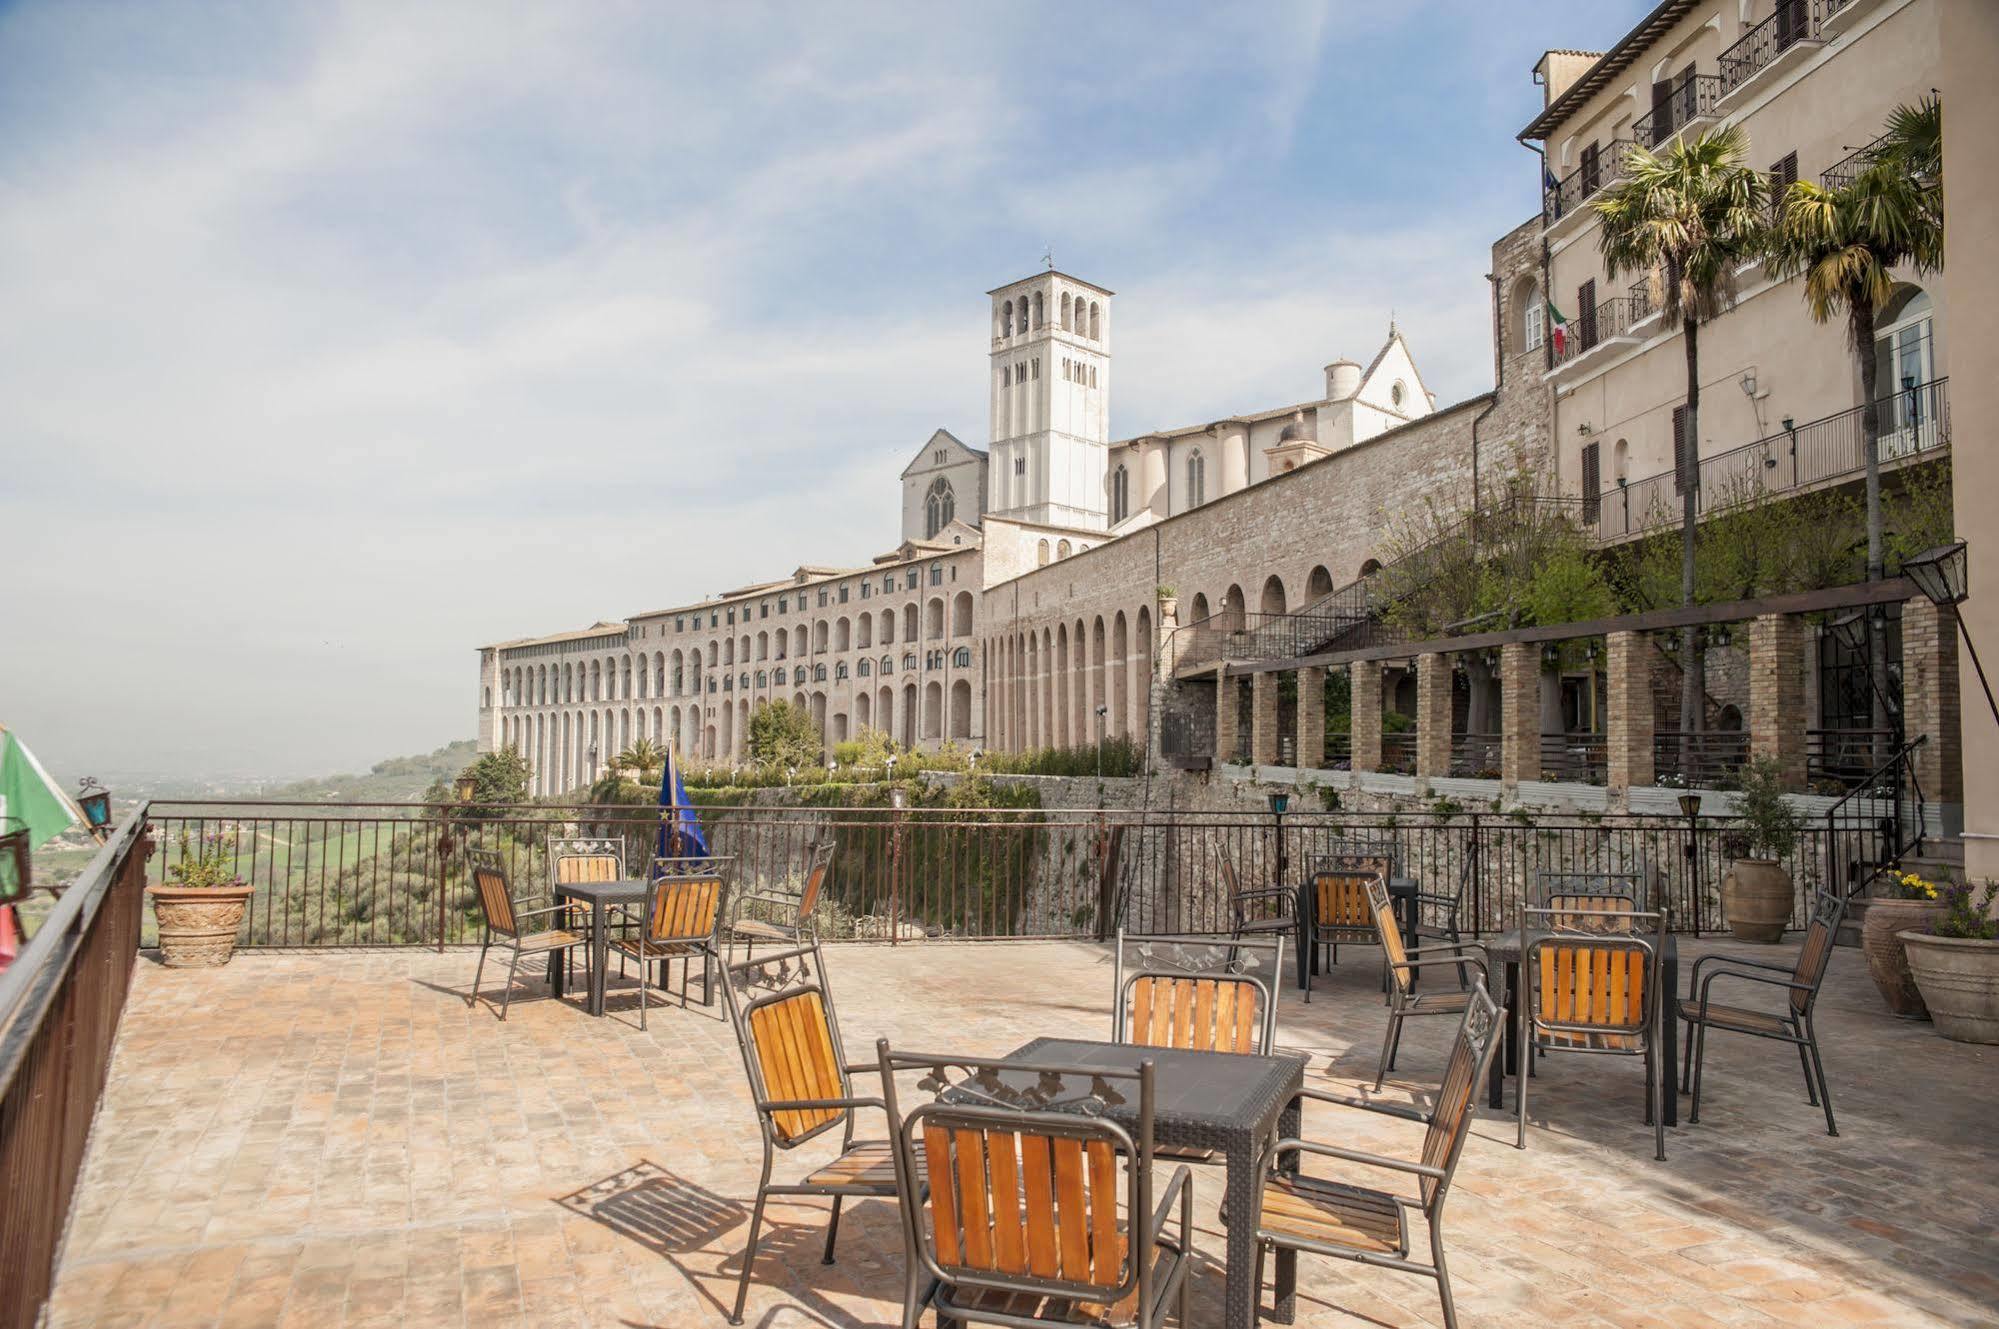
{"x": 1051, "y": 387}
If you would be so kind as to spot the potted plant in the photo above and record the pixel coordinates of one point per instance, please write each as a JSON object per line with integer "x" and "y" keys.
{"x": 1756, "y": 892}
{"x": 1957, "y": 965}
{"x": 200, "y": 906}
{"x": 1905, "y": 902}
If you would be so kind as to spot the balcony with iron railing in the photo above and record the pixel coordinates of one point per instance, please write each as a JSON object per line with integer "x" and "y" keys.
{"x": 1565, "y": 201}
{"x": 1848, "y": 168}
{"x": 1788, "y": 35}
{"x": 1914, "y": 426}
{"x": 1687, "y": 103}
{"x": 1611, "y": 323}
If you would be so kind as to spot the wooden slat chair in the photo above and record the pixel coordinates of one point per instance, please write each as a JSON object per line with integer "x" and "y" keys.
{"x": 1263, "y": 911}
{"x": 678, "y": 920}
{"x": 1591, "y": 986}
{"x": 534, "y": 931}
{"x": 1039, "y": 1209}
{"x": 1299, "y": 1212}
{"x": 1793, "y": 1024}
{"x": 571, "y": 862}
{"x": 1593, "y": 899}
{"x": 1340, "y": 910}
{"x": 1403, "y": 964}
{"x": 1196, "y": 993}
{"x": 785, "y": 918}
{"x": 781, "y": 1007}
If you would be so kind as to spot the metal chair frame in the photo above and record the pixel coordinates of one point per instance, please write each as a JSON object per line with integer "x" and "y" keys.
{"x": 1198, "y": 961}
{"x": 752, "y": 985}
{"x": 1447, "y": 1127}
{"x": 1262, "y": 911}
{"x": 487, "y": 863}
{"x": 1056, "y": 1124}
{"x": 1591, "y": 894}
{"x": 1802, "y": 978}
{"x": 1599, "y": 933}
{"x": 792, "y": 918}
{"x": 662, "y": 938}
{"x": 1403, "y": 964}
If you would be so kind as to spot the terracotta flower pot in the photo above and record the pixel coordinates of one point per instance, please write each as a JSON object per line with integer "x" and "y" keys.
{"x": 1888, "y": 959}
{"x": 1959, "y": 979}
{"x": 1756, "y": 899}
{"x": 198, "y": 924}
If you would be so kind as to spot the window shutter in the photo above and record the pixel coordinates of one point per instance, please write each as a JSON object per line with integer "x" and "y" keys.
{"x": 1662, "y": 116}
{"x": 1592, "y": 482}
{"x": 1586, "y": 315}
{"x": 1783, "y": 174}
{"x": 1591, "y": 167}
{"x": 1686, "y": 462}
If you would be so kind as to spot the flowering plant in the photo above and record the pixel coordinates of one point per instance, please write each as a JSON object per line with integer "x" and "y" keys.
{"x": 1909, "y": 886}
{"x": 1966, "y": 918}
{"x": 205, "y": 864}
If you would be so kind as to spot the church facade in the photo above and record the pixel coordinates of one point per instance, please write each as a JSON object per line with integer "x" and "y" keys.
{"x": 1023, "y": 604}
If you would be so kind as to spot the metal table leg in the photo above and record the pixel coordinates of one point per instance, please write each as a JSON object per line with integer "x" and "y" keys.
{"x": 600, "y": 955}
{"x": 1508, "y": 1061}
{"x": 1669, "y": 1030}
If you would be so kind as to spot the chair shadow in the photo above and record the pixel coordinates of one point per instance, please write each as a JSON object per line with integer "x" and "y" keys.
{"x": 685, "y": 1224}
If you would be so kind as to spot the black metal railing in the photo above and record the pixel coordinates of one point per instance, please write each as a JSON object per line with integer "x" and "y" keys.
{"x": 1848, "y": 168}
{"x": 1706, "y": 759}
{"x": 59, "y": 1007}
{"x": 1398, "y": 752}
{"x": 1690, "y": 99}
{"x": 1575, "y": 757}
{"x": 1846, "y": 759}
{"x": 1914, "y": 423}
{"x": 333, "y": 876}
{"x": 1475, "y": 756}
{"x": 1593, "y": 327}
{"x": 1578, "y": 186}
{"x": 1640, "y": 296}
{"x": 1877, "y": 824}
{"x": 1792, "y": 22}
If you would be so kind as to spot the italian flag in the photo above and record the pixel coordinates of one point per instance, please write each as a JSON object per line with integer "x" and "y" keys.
{"x": 1558, "y": 327}
{"x": 28, "y": 799}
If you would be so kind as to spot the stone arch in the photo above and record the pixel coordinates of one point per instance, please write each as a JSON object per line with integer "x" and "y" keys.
{"x": 933, "y": 618}
{"x": 1318, "y": 584}
{"x": 1233, "y": 609}
{"x": 961, "y": 708}
{"x": 933, "y": 710}
{"x": 909, "y": 621}
{"x": 1198, "y": 609}
{"x": 961, "y": 614}
{"x": 1272, "y": 601}
{"x": 843, "y": 634}
{"x": 864, "y": 631}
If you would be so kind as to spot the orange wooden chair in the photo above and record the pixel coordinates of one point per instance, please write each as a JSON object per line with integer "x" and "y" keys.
{"x": 1196, "y": 993}
{"x": 534, "y": 931}
{"x": 679, "y": 920}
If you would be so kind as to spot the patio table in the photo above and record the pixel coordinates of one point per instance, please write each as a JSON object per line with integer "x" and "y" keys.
{"x": 1401, "y": 890}
{"x": 1225, "y": 1101}
{"x": 1507, "y": 948}
{"x": 600, "y": 896}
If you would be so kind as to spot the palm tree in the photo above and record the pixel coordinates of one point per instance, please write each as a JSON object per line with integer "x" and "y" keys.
{"x": 1846, "y": 242}
{"x": 1687, "y": 217}
{"x": 645, "y": 760}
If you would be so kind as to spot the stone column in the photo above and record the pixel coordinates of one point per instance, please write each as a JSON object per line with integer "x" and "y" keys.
{"x": 1628, "y": 725}
{"x": 1311, "y": 719}
{"x": 1777, "y": 694}
{"x": 1930, "y": 699}
{"x": 1433, "y": 715}
{"x": 1365, "y": 689}
{"x": 1519, "y": 713}
{"x": 1263, "y": 718}
{"x": 1228, "y": 704}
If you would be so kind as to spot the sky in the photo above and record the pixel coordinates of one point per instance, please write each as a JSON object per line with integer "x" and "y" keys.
{"x": 338, "y": 339}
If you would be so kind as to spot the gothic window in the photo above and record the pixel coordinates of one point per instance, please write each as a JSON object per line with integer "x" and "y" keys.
{"x": 864, "y": 668}
{"x": 939, "y": 507}
{"x": 1197, "y": 480}
{"x": 1095, "y": 324}
{"x": 1062, "y": 549}
{"x": 1006, "y": 320}
{"x": 888, "y": 664}
{"x": 962, "y": 657}
{"x": 909, "y": 657}
{"x": 1040, "y": 314}
{"x": 1066, "y": 325}
{"x": 1041, "y": 554}
{"x": 1120, "y": 495}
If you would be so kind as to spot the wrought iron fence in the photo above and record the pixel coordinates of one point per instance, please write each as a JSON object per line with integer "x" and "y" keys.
{"x": 1691, "y": 99}
{"x": 1475, "y": 756}
{"x": 1914, "y": 423}
{"x": 1611, "y": 318}
{"x": 1398, "y": 752}
{"x": 1574, "y": 189}
{"x": 394, "y": 875}
{"x": 1705, "y": 759}
{"x": 59, "y": 1006}
{"x": 1577, "y": 757}
{"x": 1848, "y": 168}
{"x": 1792, "y": 22}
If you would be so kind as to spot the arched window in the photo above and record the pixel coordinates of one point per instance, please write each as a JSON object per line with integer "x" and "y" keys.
{"x": 1066, "y": 324}
{"x": 1197, "y": 479}
{"x": 1095, "y": 325}
{"x": 865, "y": 667}
{"x": 1041, "y": 554}
{"x": 939, "y": 507}
{"x": 962, "y": 657}
{"x": 1533, "y": 317}
{"x": 1061, "y": 549}
{"x": 1040, "y": 313}
{"x": 888, "y": 664}
{"x": 1006, "y": 319}
{"x": 1120, "y": 495}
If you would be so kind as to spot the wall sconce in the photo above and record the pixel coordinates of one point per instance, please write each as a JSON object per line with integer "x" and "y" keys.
{"x": 1551, "y": 654}
{"x": 1748, "y": 382}
{"x": 95, "y": 801}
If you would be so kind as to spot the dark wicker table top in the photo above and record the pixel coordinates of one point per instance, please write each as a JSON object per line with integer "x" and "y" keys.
{"x": 1199, "y": 1098}
{"x": 1510, "y": 945}
{"x": 624, "y": 891}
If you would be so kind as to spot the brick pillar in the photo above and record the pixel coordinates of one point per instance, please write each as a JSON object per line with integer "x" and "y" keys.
{"x": 1628, "y": 726}
{"x": 1777, "y": 694}
{"x": 1930, "y": 697}
{"x": 1365, "y": 676}
{"x": 1520, "y": 713}
{"x": 1433, "y": 715}
{"x": 1263, "y": 718}
{"x": 1227, "y": 703}
{"x": 1311, "y": 719}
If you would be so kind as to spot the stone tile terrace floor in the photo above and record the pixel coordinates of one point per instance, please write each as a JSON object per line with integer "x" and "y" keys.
{"x": 335, "y": 1138}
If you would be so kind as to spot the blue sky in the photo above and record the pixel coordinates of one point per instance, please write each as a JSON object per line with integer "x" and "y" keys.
{"x": 350, "y": 336}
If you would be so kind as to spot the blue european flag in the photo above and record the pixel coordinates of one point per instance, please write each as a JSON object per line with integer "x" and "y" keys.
{"x": 679, "y": 824}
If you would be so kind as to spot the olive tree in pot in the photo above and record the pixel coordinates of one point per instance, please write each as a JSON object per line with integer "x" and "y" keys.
{"x": 1756, "y": 894}
{"x": 200, "y": 906}
{"x": 1957, "y": 966}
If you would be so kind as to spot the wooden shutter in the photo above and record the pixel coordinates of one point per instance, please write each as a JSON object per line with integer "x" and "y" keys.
{"x": 1686, "y": 460}
{"x": 1783, "y": 174}
{"x": 1592, "y": 176}
{"x": 1592, "y": 481}
{"x": 1661, "y": 120}
{"x": 1586, "y": 315}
